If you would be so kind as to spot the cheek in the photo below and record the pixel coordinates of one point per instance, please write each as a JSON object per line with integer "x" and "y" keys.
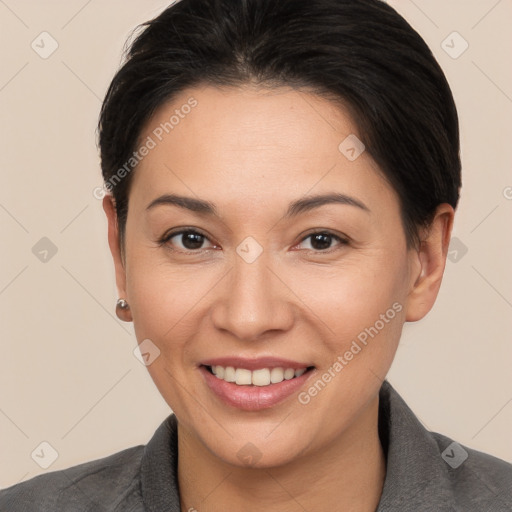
{"x": 168, "y": 302}
{"x": 168, "y": 307}
{"x": 360, "y": 301}
{"x": 161, "y": 301}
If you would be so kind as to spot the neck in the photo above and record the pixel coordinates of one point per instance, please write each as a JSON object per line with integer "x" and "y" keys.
{"x": 348, "y": 474}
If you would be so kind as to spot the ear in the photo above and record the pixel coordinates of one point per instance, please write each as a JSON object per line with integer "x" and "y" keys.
{"x": 428, "y": 263}
{"x": 113, "y": 242}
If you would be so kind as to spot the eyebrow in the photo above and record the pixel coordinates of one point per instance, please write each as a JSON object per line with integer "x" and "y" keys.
{"x": 309, "y": 203}
{"x": 295, "y": 208}
{"x": 189, "y": 203}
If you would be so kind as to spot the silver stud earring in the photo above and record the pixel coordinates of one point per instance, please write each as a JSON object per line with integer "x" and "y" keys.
{"x": 121, "y": 303}
{"x": 123, "y": 310}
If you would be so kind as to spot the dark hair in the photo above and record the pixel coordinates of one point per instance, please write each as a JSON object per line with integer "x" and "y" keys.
{"x": 360, "y": 53}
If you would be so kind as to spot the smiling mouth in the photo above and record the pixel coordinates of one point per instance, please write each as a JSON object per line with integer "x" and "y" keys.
{"x": 260, "y": 377}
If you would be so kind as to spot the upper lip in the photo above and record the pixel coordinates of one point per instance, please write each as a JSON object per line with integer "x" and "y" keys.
{"x": 255, "y": 363}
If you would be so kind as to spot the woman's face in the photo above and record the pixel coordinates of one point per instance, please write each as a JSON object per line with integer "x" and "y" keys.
{"x": 231, "y": 271}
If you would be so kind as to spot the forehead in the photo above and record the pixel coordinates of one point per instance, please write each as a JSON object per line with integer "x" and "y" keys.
{"x": 253, "y": 143}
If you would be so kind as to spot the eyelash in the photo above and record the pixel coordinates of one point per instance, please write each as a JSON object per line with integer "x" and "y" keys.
{"x": 167, "y": 237}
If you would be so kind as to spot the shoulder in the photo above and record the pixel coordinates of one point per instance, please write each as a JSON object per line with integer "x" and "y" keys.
{"x": 429, "y": 472}
{"x": 477, "y": 480}
{"x": 110, "y": 483}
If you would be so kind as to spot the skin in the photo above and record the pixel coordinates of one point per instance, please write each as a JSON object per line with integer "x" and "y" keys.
{"x": 251, "y": 152}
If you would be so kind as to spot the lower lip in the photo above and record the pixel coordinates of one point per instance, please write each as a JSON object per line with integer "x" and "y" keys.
{"x": 253, "y": 398}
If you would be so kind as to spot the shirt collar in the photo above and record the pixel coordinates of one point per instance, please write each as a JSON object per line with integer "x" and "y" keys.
{"x": 159, "y": 469}
{"x": 415, "y": 471}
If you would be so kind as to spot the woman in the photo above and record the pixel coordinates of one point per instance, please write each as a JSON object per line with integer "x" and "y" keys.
{"x": 282, "y": 177}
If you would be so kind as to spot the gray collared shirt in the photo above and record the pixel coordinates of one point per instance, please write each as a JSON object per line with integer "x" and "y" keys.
{"x": 425, "y": 472}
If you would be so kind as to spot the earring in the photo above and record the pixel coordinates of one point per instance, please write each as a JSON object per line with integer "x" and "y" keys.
{"x": 123, "y": 310}
{"x": 122, "y": 304}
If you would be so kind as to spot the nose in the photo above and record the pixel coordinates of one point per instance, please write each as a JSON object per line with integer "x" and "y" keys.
{"x": 253, "y": 302}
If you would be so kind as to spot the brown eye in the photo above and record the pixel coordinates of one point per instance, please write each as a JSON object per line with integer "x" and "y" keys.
{"x": 191, "y": 240}
{"x": 187, "y": 240}
{"x": 322, "y": 241}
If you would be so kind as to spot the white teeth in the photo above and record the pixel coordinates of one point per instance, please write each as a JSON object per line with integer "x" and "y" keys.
{"x": 260, "y": 377}
{"x": 289, "y": 373}
{"x": 230, "y": 374}
{"x": 276, "y": 375}
{"x": 243, "y": 376}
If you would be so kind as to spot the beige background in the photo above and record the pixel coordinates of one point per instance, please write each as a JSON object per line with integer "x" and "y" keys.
{"x": 68, "y": 375}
